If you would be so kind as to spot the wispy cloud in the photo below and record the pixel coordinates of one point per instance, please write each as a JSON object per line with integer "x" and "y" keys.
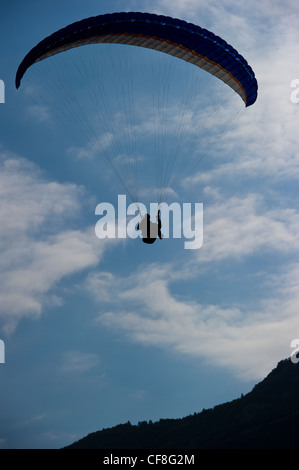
{"x": 236, "y": 227}
{"x": 249, "y": 343}
{"x": 77, "y": 361}
{"x": 39, "y": 112}
{"x": 32, "y": 420}
{"x": 39, "y": 242}
{"x": 2, "y": 443}
{"x": 95, "y": 147}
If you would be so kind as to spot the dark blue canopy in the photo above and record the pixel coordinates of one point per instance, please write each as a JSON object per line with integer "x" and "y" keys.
{"x": 172, "y": 36}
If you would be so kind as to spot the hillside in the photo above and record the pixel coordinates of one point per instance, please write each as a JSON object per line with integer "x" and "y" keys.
{"x": 267, "y": 417}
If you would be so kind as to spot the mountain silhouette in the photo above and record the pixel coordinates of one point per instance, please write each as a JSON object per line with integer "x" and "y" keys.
{"x": 265, "y": 418}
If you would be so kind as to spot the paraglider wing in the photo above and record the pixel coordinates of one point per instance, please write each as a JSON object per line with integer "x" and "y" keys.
{"x": 171, "y": 36}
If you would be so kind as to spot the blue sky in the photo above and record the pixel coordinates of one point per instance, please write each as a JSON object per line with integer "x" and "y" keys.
{"x": 99, "y": 332}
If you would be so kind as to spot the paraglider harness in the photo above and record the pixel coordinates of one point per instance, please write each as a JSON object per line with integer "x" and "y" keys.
{"x": 149, "y": 228}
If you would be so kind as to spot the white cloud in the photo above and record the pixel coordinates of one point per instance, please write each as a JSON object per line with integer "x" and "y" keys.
{"x": 76, "y": 361}
{"x": 96, "y": 146}
{"x": 40, "y": 112}
{"x": 44, "y": 264}
{"x": 249, "y": 343}
{"x": 39, "y": 245}
{"x": 240, "y": 226}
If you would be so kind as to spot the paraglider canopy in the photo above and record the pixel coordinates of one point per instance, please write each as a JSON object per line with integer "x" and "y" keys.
{"x": 172, "y": 36}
